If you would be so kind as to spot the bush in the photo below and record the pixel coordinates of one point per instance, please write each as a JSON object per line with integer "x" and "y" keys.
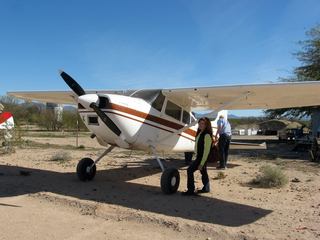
{"x": 270, "y": 177}
{"x": 221, "y": 175}
{"x": 61, "y": 157}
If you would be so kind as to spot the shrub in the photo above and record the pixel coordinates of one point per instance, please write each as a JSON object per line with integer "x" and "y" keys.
{"x": 61, "y": 157}
{"x": 270, "y": 177}
{"x": 221, "y": 175}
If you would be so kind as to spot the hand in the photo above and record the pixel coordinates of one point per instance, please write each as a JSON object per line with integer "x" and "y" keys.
{"x": 200, "y": 168}
{"x": 215, "y": 139}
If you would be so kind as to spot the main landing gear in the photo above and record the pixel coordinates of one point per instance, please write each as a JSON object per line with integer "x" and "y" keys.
{"x": 170, "y": 178}
{"x": 86, "y": 168}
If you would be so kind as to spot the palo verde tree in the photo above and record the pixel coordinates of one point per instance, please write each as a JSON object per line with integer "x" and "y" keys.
{"x": 309, "y": 57}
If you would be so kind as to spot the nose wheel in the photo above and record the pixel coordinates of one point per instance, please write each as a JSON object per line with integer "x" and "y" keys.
{"x": 170, "y": 180}
{"x": 86, "y": 169}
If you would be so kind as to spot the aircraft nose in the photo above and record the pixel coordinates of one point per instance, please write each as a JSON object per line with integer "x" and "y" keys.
{"x": 87, "y": 99}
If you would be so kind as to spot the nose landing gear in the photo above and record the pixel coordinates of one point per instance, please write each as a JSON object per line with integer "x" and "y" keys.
{"x": 86, "y": 168}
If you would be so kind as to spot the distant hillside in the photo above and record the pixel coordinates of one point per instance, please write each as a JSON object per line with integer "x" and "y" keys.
{"x": 232, "y": 116}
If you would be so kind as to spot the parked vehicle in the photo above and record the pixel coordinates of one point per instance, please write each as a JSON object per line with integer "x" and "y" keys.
{"x": 290, "y": 134}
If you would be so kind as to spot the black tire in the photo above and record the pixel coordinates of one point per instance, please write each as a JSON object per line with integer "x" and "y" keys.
{"x": 170, "y": 180}
{"x": 83, "y": 171}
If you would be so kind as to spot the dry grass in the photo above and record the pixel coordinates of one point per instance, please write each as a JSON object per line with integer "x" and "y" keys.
{"x": 61, "y": 157}
{"x": 221, "y": 175}
{"x": 270, "y": 177}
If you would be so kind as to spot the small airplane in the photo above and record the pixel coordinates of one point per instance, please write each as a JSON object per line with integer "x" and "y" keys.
{"x": 162, "y": 120}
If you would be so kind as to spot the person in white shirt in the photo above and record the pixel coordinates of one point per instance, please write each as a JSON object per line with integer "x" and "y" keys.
{"x": 224, "y": 131}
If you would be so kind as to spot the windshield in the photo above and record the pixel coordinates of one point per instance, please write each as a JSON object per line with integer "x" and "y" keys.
{"x": 147, "y": 95}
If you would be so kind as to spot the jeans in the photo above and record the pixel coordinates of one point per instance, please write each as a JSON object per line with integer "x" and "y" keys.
{"x": 205, "y": 178}
{"x": 224, "y": 143}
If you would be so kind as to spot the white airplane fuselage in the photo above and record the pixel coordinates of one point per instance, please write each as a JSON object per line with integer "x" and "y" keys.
{"x": 142, "y": 125}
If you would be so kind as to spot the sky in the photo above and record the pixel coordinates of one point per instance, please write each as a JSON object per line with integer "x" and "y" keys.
{"x": 128, "y": 44}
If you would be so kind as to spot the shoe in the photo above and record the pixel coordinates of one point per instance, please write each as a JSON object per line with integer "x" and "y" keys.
{"x": 188, "y": 193}
{"x": 202, "y": 191}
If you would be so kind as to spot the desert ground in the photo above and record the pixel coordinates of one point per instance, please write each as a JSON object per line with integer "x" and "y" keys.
{"x": 41, "y": 197}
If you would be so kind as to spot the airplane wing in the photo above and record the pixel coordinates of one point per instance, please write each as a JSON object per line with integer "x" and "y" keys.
{"x": 253, "y": 96}
{"x": 59, "y": 97}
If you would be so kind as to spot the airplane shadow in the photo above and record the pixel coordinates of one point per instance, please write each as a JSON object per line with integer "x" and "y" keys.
{"x": 117, "y": 186}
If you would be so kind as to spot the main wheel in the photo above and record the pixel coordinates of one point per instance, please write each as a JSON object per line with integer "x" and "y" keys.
{"x": 170, "y": 180}
{"x": 85, "y": 170}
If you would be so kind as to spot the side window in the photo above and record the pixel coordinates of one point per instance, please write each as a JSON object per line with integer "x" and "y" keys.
{"x": 173, "y": 110}
{"x": 157, "y": 104}
{"x": 186, "y": 117}
{"x": 193, "y": 118}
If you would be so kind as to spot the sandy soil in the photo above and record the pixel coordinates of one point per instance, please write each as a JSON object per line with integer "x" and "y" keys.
{"x": 42, "y": 199}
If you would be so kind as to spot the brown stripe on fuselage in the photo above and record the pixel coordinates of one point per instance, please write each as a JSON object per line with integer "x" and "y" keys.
{"x": 151, "y": 118}
{"x": 143, "y": 122}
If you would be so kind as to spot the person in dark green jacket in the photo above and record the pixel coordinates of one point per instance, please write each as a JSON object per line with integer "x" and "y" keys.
{"x": 203, "y": 143}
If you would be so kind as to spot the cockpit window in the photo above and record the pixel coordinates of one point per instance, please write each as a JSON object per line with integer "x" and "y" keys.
{"x": 147, "y": 95}
{"x": 158, "y": 102}
{"x": 186, "y": 117}
{"x": 173, "y": 110}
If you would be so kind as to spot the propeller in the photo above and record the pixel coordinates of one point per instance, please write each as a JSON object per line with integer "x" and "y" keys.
{"x": 79, "y": 91}
{"x": 107, "y": 121}
{"x": 72, "y": 84}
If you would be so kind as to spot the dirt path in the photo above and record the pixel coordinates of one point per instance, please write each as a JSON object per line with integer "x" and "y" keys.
{"x": 42, "y": 199}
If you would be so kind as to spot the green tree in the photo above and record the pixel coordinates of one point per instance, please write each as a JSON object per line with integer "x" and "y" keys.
{"x": 309, "y": 56}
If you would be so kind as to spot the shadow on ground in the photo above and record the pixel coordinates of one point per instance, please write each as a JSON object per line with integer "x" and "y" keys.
{"x": 115, "y": 186}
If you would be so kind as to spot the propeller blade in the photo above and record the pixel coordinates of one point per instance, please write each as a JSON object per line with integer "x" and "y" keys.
{"x": 72, "y": 84}
{"x": 109, "y": 123}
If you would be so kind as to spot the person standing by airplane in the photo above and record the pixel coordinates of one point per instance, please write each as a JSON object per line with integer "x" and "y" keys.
{"x": 202, "y": 149}
{"x": 224, "y": 131}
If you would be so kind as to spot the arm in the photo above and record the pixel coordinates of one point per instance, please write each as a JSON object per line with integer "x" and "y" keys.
{"x": 206, "y": 151}
{"x": 218, "y": 129}
{"x": 217, "y": 132}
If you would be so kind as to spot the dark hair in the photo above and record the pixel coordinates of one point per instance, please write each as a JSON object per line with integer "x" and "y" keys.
{"x": 208, "y": 129}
